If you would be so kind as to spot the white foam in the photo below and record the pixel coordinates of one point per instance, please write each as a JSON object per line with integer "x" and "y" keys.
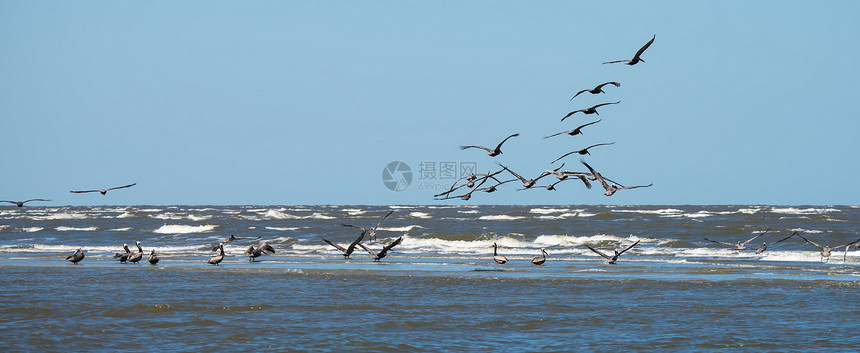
{"x": 806, "y": 231}
{"x": 86, "y": 229}
{"x": 125, "y": 229}
{"x": 183, "y": 229}
{"x": 354, "y": 211}
{"x": 198, "y": 217}
{"x": 31, "y": 229}
{"x": 547, "y": 210}
{"x": 561, "y": 216}
{"x": 500, "y": 217}
{"x": 59, "y": 216}
{"x": 802, "y": 211}
{"x": 282, "y": 228}
{"x": 401, "y": 229}
{"x": 125, "y": 215}
{"x": 423, "y": 215}
{"x": 662, "y": 212}
{"x": 469, "y": 211}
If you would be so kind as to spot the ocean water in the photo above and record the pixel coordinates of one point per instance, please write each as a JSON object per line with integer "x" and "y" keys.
{"x": 439, "y": 290}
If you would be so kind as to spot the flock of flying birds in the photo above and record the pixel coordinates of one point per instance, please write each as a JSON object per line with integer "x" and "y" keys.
{"x": 475, "y": 182}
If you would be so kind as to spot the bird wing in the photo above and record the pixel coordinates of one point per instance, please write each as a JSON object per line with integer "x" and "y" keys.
{"x": 596, "y": 175}
{"x": 599, "y": 144}
{"x": 514, "y": 174}
{"x": 563, "y": 132}
{"x": 638, "y": 186}
{"x": 481, "y": 147}
{"x": 847, "y": 244}
{"x": 393, "y": 244}
{"x": 35, "y": 200}
{"x": 754, "y": 238}
{"x": 266, "y": 248}
{"x": 642, "y": 50}
{"x": 720, "y": 242}
{"x": 83, "y": 191}
{"x": 811, "y": 242}
{"x": 571, "y": 113}
{"x": 616, "y": 84}
{"x": 350, "y": 225}
{"x": 617, "y": 61}
{"x": 630, "y": 247}
{"x": 565, "y": 155}
{"x": 584, "y": 125}
{"x": 370, "y": 251}
{"x": 356, "y": 242}
{"x": 602, "y": 104}
{"x": 122, "y": 187}
{"x": 506, "y": 138}
{"x": 783, "y": 239}
{"x": 383, "y": 218}
{"x": 578, "y": 93}
{"x": 599, "y": 252}
{"x": 334, "y": 245}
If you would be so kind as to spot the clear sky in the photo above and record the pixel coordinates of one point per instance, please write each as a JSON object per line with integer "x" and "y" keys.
{"x": 287, "y": 102}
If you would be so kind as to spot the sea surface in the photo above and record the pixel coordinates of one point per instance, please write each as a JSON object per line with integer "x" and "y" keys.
{"x": 439, "y": 290}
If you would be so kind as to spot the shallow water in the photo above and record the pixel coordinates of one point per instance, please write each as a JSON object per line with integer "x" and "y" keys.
{"x": 439, "y": 290}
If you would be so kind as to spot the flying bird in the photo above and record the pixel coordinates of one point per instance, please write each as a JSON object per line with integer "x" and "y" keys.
{"x": 764, "y": 246}
{"x": 76, "y": 257}
{"x": 527, "y": 183}
{"x": 21, "y": 203}
{"x": 215, "y": 260}
{"x": 349, "y": 249}
{"x": 596, "y": 90}
{"x": 610, "y": 189}
{"x": 574, "y": 132}
{"x": 592, "y": 110}
{"x": 825, "y": 250}
{"x": 379, "y": 255}
{"x": 253, "y": 253}
{"x": 636, "y": 58}
{"x": 612, "y": 258}
{"x": 583, "y": 151}
{"x": 539, "y": 260}
{"x": 371, "y": 233}
{"x": 103, "y": 191}
{"x": 499, "y": 259}
{"x": 742, "y": 245}
{"x": 493, "y": 152}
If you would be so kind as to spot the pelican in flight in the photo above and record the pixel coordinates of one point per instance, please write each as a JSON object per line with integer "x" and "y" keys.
{"x": 764, "y": 246}
{"x": 379, "y": 255}
{"x": 527, "y": 183}
{"x": 371, "y": 233}
{"x": 742, "y": 245}
{"x": 592, "y": 110}
{"x": 499, "y": 259}
{"x": 493, "y": 152}
{"x": 76, "y": 257}
{"x": 596, "y": 90}
{"x": 135, "y": 257}
{"x": 583, "y": 151}
{"x": 261, "y": 250}
{"x": 103, "y": 191}
{"x": 153, "y": 258}
{"x": 574, "y": 132}
{"x": 21, "y": 203}
{"x": 636, "y": 58}
{"x": 215, "y": 260}
{"x": 825, "y": 250}
{"x": 349, "y": 249}
{"x": 612, "y": 258}
{"x": 610, "y": 189}
{"x": 539, "y": 260}
{"x": 123, "y": 257}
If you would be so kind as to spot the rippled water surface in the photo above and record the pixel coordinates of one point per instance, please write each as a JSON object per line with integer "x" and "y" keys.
{"x": 439, "y": 289}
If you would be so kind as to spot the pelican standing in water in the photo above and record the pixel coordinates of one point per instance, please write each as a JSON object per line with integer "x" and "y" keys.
{"x": 539, "y": 260}
{"x": 612, "y": 258}
{"x": 743, "y": 245}
{"x": 153, "y": 258}
{"x": 215, "y": 260}
{"x": 21, "y": 203}
{"x": 123, "y": 257}
{"x": 379, "y": 255}
{"x": 636, "y": 58}
{"x": 103, "y": 191}
{"x": 493, "y": 152}
{"x": 826, "y": 250}
{"x": 135, "y": 257}
{"x": 349, "y": 249}
{"x": 76, "y": 257}
{"x": 499, "y": 259}
{"x": 261, "y": 250}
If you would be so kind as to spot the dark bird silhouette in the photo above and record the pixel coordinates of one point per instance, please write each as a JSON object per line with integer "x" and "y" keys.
{"x": 253, "y": 253}
{"x": 764, "y": 246}
{"x": 612, "y": 258}
{"x": 153, "y": 258}
{"x": 123, "y": 257}
{"x": 21, "y": 203}
{"x": 636, "y": 58}
{"x": 371, "y": 232}
{"x": 539, "y": 260}
{"x": 592, "y": 110}
{"x": 583, "y": 151}
{"x": 76, "y": 257}
{"x": 349, "y": 249}
{"x": 231, "y": 239}
{"x": 215, "y": 260}
{"x": 527, "y": 183}
{"x": 826, "y": 250}
{"x": 470, "y": 182}
{"x": 574, "y": 132}
{"x": 103, "y": 191}
{"x": 379, "y": 255}
{"x": 610, "y": 189}
{"x": 136, "y": 256}
{"x": 596, "y": 90}
{"x": 499, "y": 259}
{"x": 741, "y": 245}
{"x": 493, "y": 152}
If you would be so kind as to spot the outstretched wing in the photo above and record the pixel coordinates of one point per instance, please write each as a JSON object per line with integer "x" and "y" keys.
{"x": 642, "y": 50}
{"x": 369, "y": 251}
{"x": 383, "y": 218}
{"x": 356, "y": 242}
{"x": 578, "y": 93}
{"x": 393, "y": 244}
{"x": 811, "y": 242}
{"x": 565, "y": 155}
{"x": 783, "y": 239}
{"x": 720, "y": 242}
{"x": 616, "y": 61}
{"x": 602, "y": 104}
{"x": 599, "y": 252}
{"x": 616, "y": 84}
{"x": 83, "y": 191}
{"x": 571, "y": 113}
{"x": 563, "y": 132}
{"x": 334, "y": 245}
{"x": 481, "y": 147}
{"x": 506, "y": 138}
{"x": 630, "y": 247}
{"x": 122, "y": 187}
{"x": 755, "y": 237}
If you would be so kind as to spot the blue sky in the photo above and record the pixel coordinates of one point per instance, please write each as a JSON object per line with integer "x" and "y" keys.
{"x": 278, "y": 102}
